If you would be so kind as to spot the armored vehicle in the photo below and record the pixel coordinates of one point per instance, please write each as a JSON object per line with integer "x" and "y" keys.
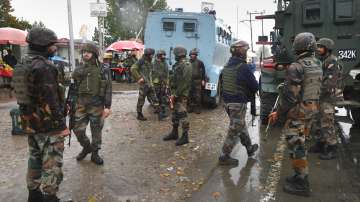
{"x": 212, "y": 38}
{"x": 335, "y": 19}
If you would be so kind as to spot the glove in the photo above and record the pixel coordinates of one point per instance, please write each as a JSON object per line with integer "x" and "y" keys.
{"x": 273, "y": 117}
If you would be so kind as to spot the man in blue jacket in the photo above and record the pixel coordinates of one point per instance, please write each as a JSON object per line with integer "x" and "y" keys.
{"x": 238, "y": 84}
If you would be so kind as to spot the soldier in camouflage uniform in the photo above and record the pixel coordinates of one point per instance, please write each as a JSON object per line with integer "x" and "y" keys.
{"x": 326, "y": 142}
{"x": 180, "y": 88}
{"x": 93, "y": 105}
{"x": 141, "y": 72}
{"x": 299, "y": 102}
{"x": 160, "y": 78}
{"x": 197, "y": 82}
{"x": 41, "y": 104}
{"x": 238, "y": 84}
{"x": 128, "y": 63}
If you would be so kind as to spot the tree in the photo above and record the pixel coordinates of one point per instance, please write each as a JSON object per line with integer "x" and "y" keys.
{"x": 126, "y": 18}
{"x": 8, "y": 20}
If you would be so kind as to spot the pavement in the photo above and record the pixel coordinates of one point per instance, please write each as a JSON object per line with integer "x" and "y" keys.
{"x": 139, "y": 166}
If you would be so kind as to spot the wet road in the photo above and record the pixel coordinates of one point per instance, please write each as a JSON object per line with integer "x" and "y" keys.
{"x": 139, "y": 166}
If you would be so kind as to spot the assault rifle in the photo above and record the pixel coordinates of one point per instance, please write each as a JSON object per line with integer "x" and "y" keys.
{"x": 70, "y": 108}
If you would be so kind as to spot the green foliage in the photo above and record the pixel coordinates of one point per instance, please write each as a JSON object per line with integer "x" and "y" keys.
{"x": 126, "y": 18}
{"x": 8, "y": 20}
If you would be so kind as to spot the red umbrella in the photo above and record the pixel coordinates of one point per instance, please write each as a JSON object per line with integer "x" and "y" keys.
{"x": 14, "y": 36}
{"x": 125, "y": 45}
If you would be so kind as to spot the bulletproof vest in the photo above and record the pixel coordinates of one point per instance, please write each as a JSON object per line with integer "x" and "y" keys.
{"x": 196, "y": 71}
{"x": 230, "y": 84}
{"x": 91, "y": 80}
{"x": 21, "y": 79}
{"x": 159, "y": 73}
{"x": 312, "y": 78}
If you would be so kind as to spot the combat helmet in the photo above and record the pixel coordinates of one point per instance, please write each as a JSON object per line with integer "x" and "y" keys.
{"x": 179, "y": 51}
{"x": 40, "y": 36}
{"x": 194, "y": 52}
{"x": 90, "y": 47}
{"x": 239, "y": 44}
{"x": 160, "y": 52}
{"x": 304, "y": 42}
{"x": 327, "y": 43}
{"x": 149, "y": 51}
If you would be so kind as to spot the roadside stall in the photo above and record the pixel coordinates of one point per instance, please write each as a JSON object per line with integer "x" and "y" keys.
{"x": 120, "y": 71}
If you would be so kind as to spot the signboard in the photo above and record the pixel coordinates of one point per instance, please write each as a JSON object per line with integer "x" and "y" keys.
{"x": 98, "y": 10}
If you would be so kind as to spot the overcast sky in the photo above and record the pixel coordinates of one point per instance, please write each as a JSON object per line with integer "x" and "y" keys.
{"x": 54, "y": 14}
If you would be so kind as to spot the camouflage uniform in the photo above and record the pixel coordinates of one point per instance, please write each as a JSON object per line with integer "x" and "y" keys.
{"x": 299, "y": 100}
{"x": 180, "y": 84}
{"x": 160, "y": 78}
{"x": 41, "y": 104}
{"x": 198, "y": 75}
{"x": 325, "y": 126}
{"x": 238, "y": 83}
{"x": 94, "y": 94}
{"x": 142, "y": 69}
{"x": 128, "y": 63}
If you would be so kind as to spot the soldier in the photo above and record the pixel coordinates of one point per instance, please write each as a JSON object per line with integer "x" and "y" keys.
{"x": 299, "y": 102}
{"x": 238, "y": 84}
{"x": 93, "y": 103}
{"x": 160, "y": 78}
{"x": 141, "y": 71}
{"x": 41, "y": 105}
{"x": 180, "y": 87}
{"x": 197, "y": 81}
{"x": 326, "y": 143}
{"x": 130, "y": 61}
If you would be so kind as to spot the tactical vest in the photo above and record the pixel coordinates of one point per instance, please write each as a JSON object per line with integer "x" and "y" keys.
{"x": 312, "y": 78}
{"x": 230, "y": 84}
{"x": 92, "y": 82}
{"x": 20, "y": 79}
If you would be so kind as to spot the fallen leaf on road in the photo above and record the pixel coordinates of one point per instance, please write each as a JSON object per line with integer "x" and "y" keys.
{"x": 180, "y": 173}
{"x": 164, "y": 174}
{"x": 92, "y": 199}
{"x": 216, "y": 194}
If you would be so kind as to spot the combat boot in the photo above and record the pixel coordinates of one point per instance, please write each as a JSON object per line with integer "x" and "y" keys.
{"x": 84, "y": 152}
{"x": 35, "y": 196}
{"x": 252, "y": 149}
{"x": 317, "y": 147}
{"x": 226, "y": 159}
{"x": 329, "y": 153}
{"x": 297, "y": 186}
{"x": 96, "y": 158}
{"x": 54, "y": 198}
{"x": 183, "y": 140}
{"x": 141, "y": 117}
{"x": 173, "y": 135}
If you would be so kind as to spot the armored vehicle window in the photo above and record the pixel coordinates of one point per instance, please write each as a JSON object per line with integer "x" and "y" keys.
{"x": 189, "y": 27}
{"x": 169, "y": 26}
{"x": 312, "y": 13}
{"x": 344, "y": 10}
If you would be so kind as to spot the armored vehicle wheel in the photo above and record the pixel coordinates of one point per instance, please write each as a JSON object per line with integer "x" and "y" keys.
{"x": 267, "y": 101}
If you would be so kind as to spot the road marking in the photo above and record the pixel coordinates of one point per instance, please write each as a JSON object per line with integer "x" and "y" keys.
{"x": 274, "y": 174}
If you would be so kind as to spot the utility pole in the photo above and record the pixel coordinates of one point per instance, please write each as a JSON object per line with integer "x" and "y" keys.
{"x": 100, "y": 27}
{"x": 251, "y": 30}
{"x": 237, "y": 22}
{"x": 71, "y": 34}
